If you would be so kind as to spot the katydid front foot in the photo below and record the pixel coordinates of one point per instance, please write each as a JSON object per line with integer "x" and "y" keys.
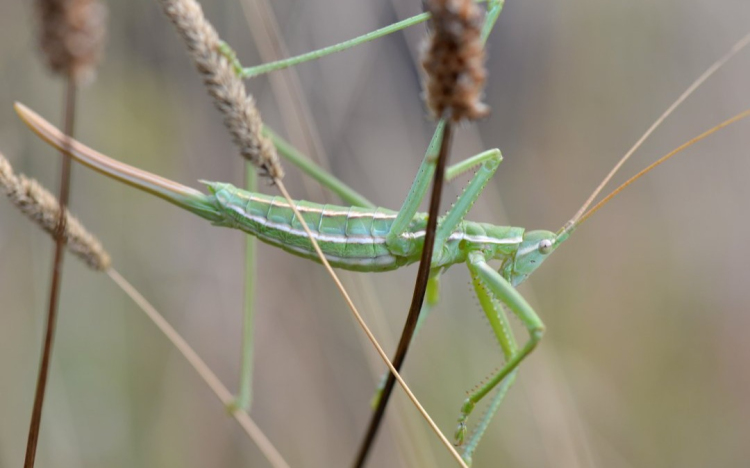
{"x": 229, "y": 53}
{"x": 460, "y": 433}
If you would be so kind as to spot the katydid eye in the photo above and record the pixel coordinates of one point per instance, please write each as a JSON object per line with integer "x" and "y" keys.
{"x": 545, "y": 246}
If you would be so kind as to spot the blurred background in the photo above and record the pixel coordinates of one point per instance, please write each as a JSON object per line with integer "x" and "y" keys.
{"x": 645, "y": 361}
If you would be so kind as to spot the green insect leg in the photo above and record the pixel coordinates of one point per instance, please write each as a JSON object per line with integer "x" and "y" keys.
{"x": 244, "y": 396}
{"x": 229, "y": 53}
{"x": 418, "y": 189}
{"x": 503, "y": 291}
{"x": 492, "y": 155}
{"x": 486, "y": 164}
{"x": 504, "y": 333}
{"x": 484, "y": 422}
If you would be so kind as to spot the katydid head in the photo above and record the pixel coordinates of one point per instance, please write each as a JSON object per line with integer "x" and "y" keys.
{"x": 535, "y": 247}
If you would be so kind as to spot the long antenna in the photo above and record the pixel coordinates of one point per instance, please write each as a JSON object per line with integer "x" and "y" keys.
{"x": 660, "y": 161}
{"x": 736, "y": 48}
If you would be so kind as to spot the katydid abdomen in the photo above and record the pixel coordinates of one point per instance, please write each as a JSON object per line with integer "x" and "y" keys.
{"x": 350, "y": 237}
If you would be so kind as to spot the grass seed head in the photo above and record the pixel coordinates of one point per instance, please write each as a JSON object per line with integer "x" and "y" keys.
{"x": 43, "y": 208}
{"x": 453, "y": 61}
{"x": 71, "y": 36}
{"x": 241, "y": 115}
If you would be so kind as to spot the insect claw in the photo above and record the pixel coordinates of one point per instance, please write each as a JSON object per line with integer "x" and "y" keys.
{"x": 460, "y": 434}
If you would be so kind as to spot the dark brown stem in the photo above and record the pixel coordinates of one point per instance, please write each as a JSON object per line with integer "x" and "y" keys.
{"x": 54, "y": 295}
{"x": 417, "y": 300}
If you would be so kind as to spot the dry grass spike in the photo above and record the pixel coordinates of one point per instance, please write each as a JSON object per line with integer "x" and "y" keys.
{"x": 72, "y": 36}
{"x": 241, "y": 116}
{"x": 453, "y": 61}
{"x": 43, "y": 208}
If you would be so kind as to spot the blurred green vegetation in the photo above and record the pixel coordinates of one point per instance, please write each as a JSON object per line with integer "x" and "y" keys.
{"x": 645, "y": 359}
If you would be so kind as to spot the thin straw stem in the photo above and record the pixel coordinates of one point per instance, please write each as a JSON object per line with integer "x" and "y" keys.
{"x": 420, "y": 286}
{"x": 213, "y": 382}
{"x": 54, "y": 295}
{"x": 493, "y": 12}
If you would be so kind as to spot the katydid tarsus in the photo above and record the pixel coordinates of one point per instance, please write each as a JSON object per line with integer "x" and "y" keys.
{"x": 377, "y": 240}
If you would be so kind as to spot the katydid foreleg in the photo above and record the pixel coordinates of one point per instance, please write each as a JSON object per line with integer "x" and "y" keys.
{"x": 500, "y": 325}
{"x": 486, "y": 163}
{"x": 502, "y": 289}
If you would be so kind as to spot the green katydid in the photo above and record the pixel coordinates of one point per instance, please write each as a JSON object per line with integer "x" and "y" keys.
{"x": 363, "y": 239}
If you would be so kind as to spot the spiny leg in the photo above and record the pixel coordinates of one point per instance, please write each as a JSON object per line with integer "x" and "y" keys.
{"x": 486, "y": 163}
{"x": 503, "y": 291}
{"x": 504, "y": 333}
{"x": 417, "y": 191}
{"x": 484, "y": 422}
{"x": 469, "y": 163}
{"x": 488, "y": 160}
{"x": 496, "y": 316}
